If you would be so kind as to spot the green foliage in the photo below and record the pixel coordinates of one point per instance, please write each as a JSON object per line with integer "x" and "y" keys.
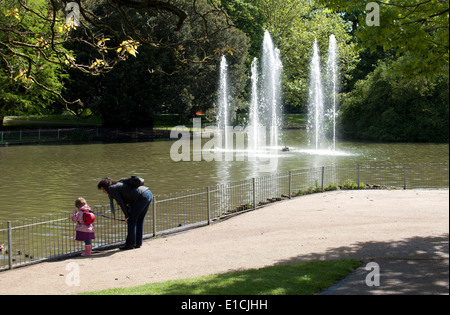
{"x": 156, "y": 81}
{"x": 351, "y": 185}
{"x": 388, "y": 107}
{"x": 248, "y": 17}
{"x": 29, "y": 68}
{"x": 331, "y": 187}
{"x": 419, "y": 29}
{"x": 394, "y": 77}
{"x": 348, "y": 185}
{"x": 405, "y": 98}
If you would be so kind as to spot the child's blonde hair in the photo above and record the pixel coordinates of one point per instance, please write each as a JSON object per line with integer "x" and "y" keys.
{"x": 80, "y": 202}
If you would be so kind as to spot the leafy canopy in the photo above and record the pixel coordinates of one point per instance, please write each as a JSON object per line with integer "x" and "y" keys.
{"x": 418, "y": 29}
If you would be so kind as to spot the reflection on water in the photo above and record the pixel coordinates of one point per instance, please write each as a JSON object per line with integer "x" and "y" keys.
{"x": 41, "y": 179}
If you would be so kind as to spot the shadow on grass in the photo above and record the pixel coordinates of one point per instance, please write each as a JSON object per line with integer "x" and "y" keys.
{"x": 296, "y": 279}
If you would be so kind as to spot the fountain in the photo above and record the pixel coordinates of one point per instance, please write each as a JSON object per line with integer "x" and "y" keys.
{"x": 265, "y": 101}
{"x": 323, "y": 98}
{"x": 223, "y": 116}
{"x": 332, "y": 85}
{"x": 316, "y": 101}
{"x": 265, "y": 104}
{"x": 254, "y": 123}
{"x": 271, "y": 87}
{"x": 264, "y": 112}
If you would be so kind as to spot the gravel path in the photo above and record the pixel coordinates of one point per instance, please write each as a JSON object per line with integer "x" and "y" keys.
{"x": 373, "y": 225}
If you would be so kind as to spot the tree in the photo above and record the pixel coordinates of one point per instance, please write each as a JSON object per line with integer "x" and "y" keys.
{"x": 42, "y": 29}
{"x": 160, "y": 80}
{"x": 248, "y": 17}
{"x": 388, "y": 107}
{"x": 29, "y": 68}
{"x": 418, "y": 29}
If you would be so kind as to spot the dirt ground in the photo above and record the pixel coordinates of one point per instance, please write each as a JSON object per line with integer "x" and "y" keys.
{"x": 372, "y": 225}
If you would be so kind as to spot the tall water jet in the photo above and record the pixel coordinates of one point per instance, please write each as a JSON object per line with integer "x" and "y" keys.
{"x": 271, "y": 85}
{"x": 316, "y": 99}
{"x": 332, "y": 83}
{"x": 223, "y": 116}
{"x": 254, "y": 123}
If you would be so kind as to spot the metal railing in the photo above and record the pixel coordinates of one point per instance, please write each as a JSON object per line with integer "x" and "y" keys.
{"x": 33, "y": 240}
{"x": 31, "y": 136}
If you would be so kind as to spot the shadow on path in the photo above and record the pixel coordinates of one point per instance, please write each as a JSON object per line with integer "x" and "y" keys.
{"x": 418, "y": 265}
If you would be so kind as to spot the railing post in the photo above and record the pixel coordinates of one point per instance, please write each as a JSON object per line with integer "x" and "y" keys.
{"x": 404, "y": 176}
{"x": 254, "y": 193}
{"x": 208, "y": 204}
{"x": 154, "y": 216}
{"x": 290, "y": 184}
{"x": 359, "y": 169}
{"x": 10, "y": 249}
{"x": 323, "y": 176}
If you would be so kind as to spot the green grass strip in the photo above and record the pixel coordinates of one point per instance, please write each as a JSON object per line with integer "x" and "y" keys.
{"x": 306, "y": 278}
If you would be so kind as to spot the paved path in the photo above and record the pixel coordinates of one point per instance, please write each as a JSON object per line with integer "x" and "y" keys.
{"x": 405, "y": 232}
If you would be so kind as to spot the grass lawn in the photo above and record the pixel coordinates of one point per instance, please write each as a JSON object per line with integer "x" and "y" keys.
{"x": 50, "y": 121}
{"x": 295, "y": 120}
{"x": 165, "y": 121}
{"x": 296, "y": 279}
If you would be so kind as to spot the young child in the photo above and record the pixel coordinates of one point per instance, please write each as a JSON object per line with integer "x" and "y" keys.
{"x": 84, "y": 232}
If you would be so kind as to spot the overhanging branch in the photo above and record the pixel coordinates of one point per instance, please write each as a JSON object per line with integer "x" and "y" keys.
{"x": 158, "y": 5}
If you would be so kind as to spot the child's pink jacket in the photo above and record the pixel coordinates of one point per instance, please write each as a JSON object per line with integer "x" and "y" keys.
{"x": 77, "y": 217}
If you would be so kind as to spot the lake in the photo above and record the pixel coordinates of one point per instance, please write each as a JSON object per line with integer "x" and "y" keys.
{"x": 41, "y": 179}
